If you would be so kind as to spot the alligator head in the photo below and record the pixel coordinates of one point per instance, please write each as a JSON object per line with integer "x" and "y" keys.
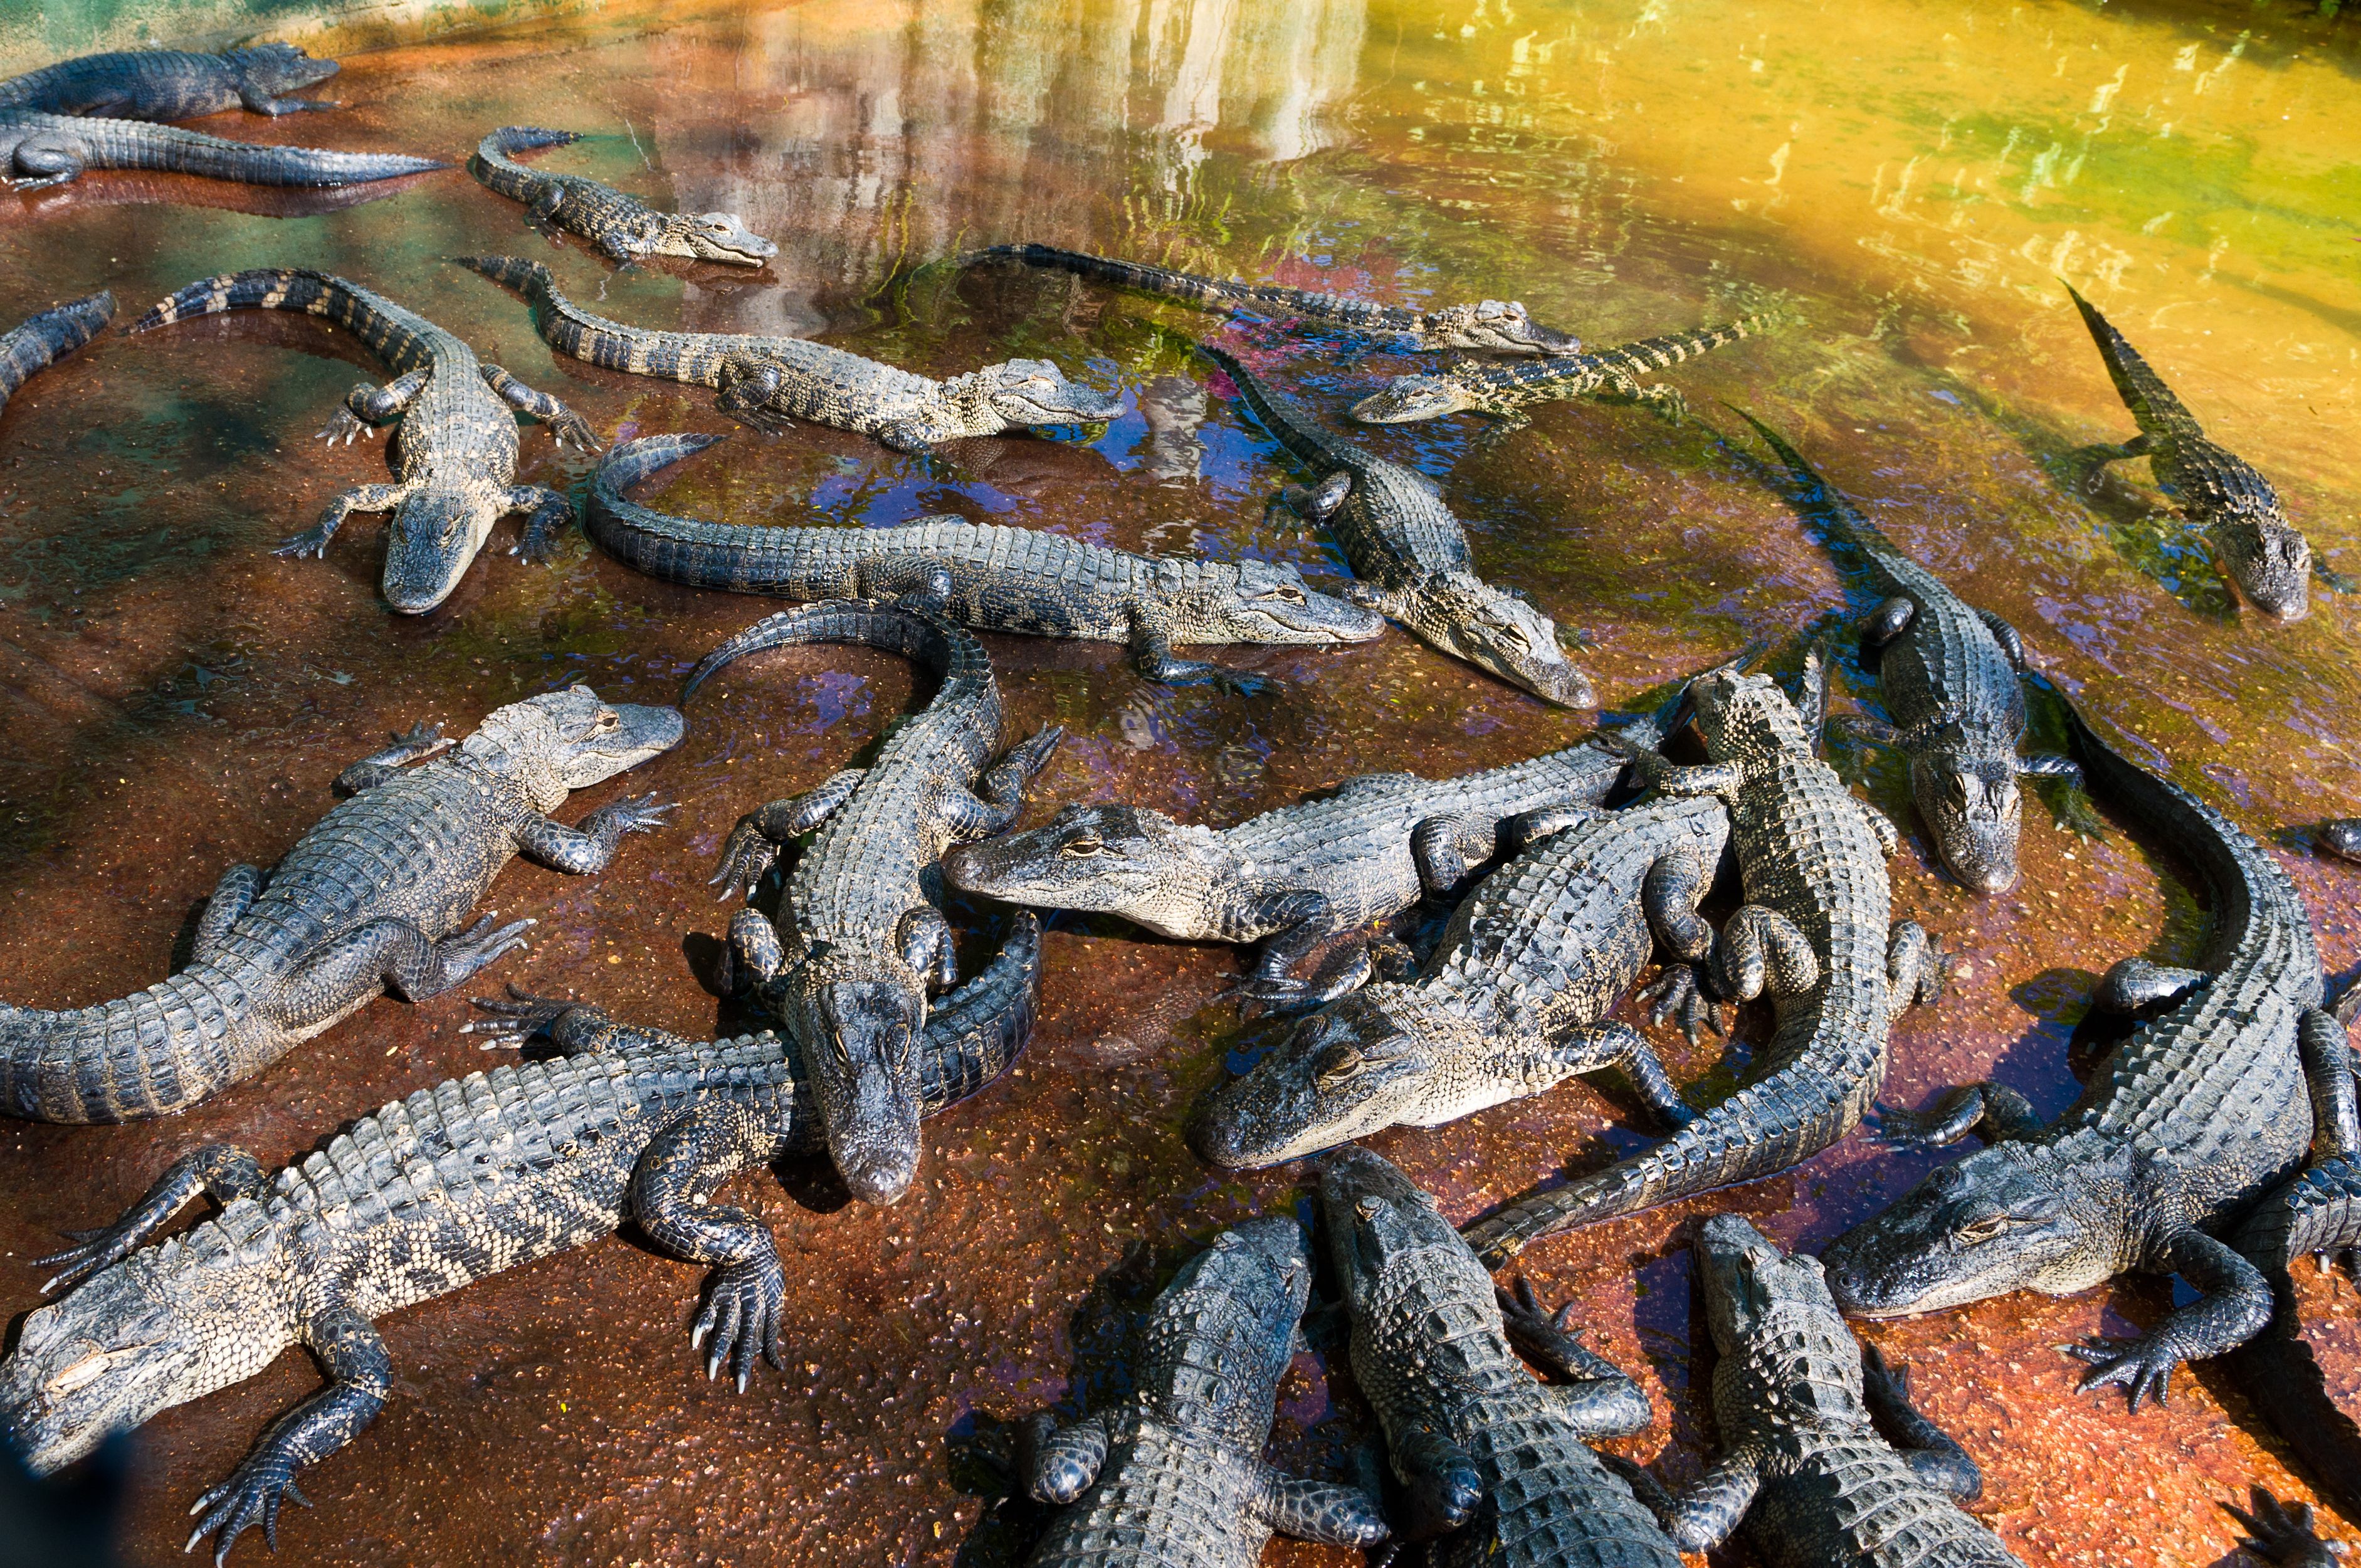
{"x": 1034, "y": 392}
{"x": 1497, "y": 327}
{"x": 275, "y": 70}
{"x": 1496, "y": 630}
{"x": 431, "y": 542}
{"x": 1377, "y": 1220}
{"x": 1745, "y": 716}
{"x": 711, "y": 236}
{"x": 1350, "y": 1070}
{"x": 1271, "y": 606}
{"x": 2005, "y": 1218}
{"x": 563, "y": 741}
{"x": 1230, "y": 1315}
{"x": 1969, "y": 804}
{"x": 1107, "y": 859}
{"x": 2268, "y": 559}
{"x": 1409, "y": 399}
{"x": 136, "y": 1338}
{"x": 1748, "y": 1283}
{"x": 858, "y": 1017}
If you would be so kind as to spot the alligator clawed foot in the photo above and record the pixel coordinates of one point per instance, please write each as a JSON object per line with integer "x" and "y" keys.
{"x": 1679, "y": 994}
{"x": 252, "y": 1495}
{"x": 518, "y": 1017}
{"x": 89, "y": 1254}
{"x": 343, "y": 425}
{"x": 746, "y": 859}
{"x": 311, "y": 542}
{"x": 571, "y": 428}
{"x": 640, "y": 813}
{"x": 2141, "y": 1367}
{"x": 2279, "y": 1532}
{"x": 479, "y": 945}
{"x": 1238, "y": 683}
{"x": 744, "y": 1310}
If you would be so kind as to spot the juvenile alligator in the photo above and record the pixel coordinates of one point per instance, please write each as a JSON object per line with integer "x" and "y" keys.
{"x": 1293, "y": 878}
{"x": 1498, "y": 327}
{"x": 859, "y": 944}
{"x": 1504, "y": 391}
{"x": 1822, "y": 1457}
{"x": 431, "y": 1193}
{"x": 1173, "y": 1477}
{"x": 455, "y": 445}
{"x": 1814, "y": 934}
{"x": 38, "y": 150}
{"x": 2219, "y": 491}
{"x": 624, "y": 228}
{"x": 768, "y": 382}
{"x": 1480, "y": 1449}
{"x": 1002, "y": 579}
{"x": 372, "y": 899}
{"x": 1514, "y": 1000}
{"x": 1410, "y": 553}
{"x": 46, "y": 337}
{"x": 1947, "y": 675}
{"x": 2198, "y": 1112}
{"x": 169, "y": 84}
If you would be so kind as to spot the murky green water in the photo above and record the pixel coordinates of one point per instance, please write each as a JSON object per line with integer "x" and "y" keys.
{"x": 1909, "y": 180}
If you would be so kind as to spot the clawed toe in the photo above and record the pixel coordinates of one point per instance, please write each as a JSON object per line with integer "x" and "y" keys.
{"x": 743, "y": 1313}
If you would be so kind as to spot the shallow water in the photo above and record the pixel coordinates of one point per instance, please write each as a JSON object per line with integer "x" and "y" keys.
{"x": 1908, "y": 179}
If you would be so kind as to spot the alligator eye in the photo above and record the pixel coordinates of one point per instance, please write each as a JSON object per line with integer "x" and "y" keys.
{"x": 1341, "y": 1063}
{"x": 1287, "y": 593}
{"x": 1082, "y": 848}
{"x": 1983, "y": 1228}
{"x": 1959, "y": 789}
{"x": 81, "y": 1374}
{"x": 1369, "y": 1206}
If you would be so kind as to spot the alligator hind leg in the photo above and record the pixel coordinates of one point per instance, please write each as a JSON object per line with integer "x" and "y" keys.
{"x": 1993, "y": 1112}
{"x": 1915, "y": 968}
{"x": 753, "y": 953}
{"x": 367, "y": 407}
{"x": 923, "y": 937}
{"x": 1060, "y": 1463}
{"x": 1927, "y": 1448}
{"x": 1762, "y": 952}
{"x": 314, "y": 541}
{"x": 1001, "y": 791}
{"x": 746, "y": 395}
{"x": 233, "y": 897}
{"x": 548, "y": 514}
{"x": 746, "y": 1298}
{"x": 1322, "y": 1511}
{"x": 1707, "y": 1512}
{"x": 38, "y": 164}
{"x": 754, "y": 844}
{"x": 1600, "y": 1397}
{"x": 1442, "y": 847}
{"x": 1887, "y": 622}
{"x": 396, "y": 955}
{"x": 382, "y": 766}
{"x": 563, "y": 424}
{"x": 2328, "y": 1074}
{"x": 586, "y": 850}
{"x": 223, "y": 1171}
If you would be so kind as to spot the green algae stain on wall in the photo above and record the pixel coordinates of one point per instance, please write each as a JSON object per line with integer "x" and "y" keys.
{"x": 36, "y": 32}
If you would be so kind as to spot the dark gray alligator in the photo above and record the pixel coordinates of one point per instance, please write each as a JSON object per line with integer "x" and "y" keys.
{"x": 1506, "y": 390}
{"x": 1815, "y": 934}
{"x": 769, "y": 382}
{"x": 431, "y": 1193}
{"x": 1948, "y": 675}
{"x": 2235, "y": 507}
{"x": 2283, "y": 1536}
{"x": 2342, "y": 837}
{"x": 1410, "y": 553}
{"x": 624, "y": 228}
{"x": 372, "y": 899}
{"x": 1173, "y": 1477}
{"x": 1498, "y": 327}
{"x": 1293, "y": 878}
{"x": 1496, "y": 1464}
{"x": 38, "y": 150}
{"x": 2204, "y": 1108}
{"x": 46, "y": 337}
{"x": 1822, "y": 1457}
{"x": 455, "y": 445}
{"x": 1514, "y": 1000}
{"x": 171, "y": 84}
{"x": 859, "y": 945}
{"x": 1002, "y": 579}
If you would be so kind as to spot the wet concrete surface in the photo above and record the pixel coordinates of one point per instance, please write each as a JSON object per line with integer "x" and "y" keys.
{"x": 174, "y": 699}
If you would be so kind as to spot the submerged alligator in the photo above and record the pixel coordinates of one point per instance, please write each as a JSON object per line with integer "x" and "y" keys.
{"x": 1506, "y": 390}
{"x": 1948, "y": 675}
{"x": 1002, "y": 579}
{"x": 1293, "y": 878}
{"x": 43, "y": 338}
{"x": 372, "y": 899}
{"x": 2221, "y": 492}
{"x": 1496, "y": 1464}
{"x": 431, "y": 1193}
{"x": 1814, "y": 934}
{"x": 1514, "y": 1000}
{"x": 858, "y": 945}
{"x": 624, "y": 228}
{"x": 171, "y": 84}
{"x": 1497, "y": 326}
{"x": 2207, "y": 1105}
{"x": 769, "y": 382}
{"x": 1173, "y": 1477}
{"x": 454, "y": 450}
{"x": 1822, "y": 1457}
{"x": 1410, "y": 553}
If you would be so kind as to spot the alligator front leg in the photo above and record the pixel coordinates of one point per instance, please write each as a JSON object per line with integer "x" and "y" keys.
{"x": 1001, "y": 789}
{"x": 259, "y": 101}
{"x": 2135, "y": 983}
{"x": 564, "y": 424}
{"x": 754, "y": 844}
{"x": 396, "y": 955}
{"x": 586, "y": 851}
{"x": 1597, "y": 1046}
{"x": 1442, "y": 1488}
{"x": 923, "y": 937}
{"x": 745, "y": 394}
{"x": 314, "y": 541}
{"x": 1299, "y": 920}
{"x": 1927, "y": 1448}
{"x": 1444, "y": 848}
{"x": 1669, "y": 896}
{"x": 1060, "y": 1462}
{"x": 2047, "y": 765}
{"x": 1993, "y": 1112}
{"x": 1152, "y": 656}
{"x": 746, "y": 1297}
{"x": 1322, "y": 1511}
{"x": 2233, "y": 1306}
{"x": 233, "y": 897}
{"x": 547, "y": 515}
{"x": 1705, "y": 1514}
{"x": 367, "y": 407}
{"x": 1599, "y": 1397}
{"x": 1762, "y": 952}
{"x": 1888, "y": 621}
{"x": 222, "y": 1171}
{"x": 382, "y": 766}
{"x": 2328, "y": 1067}
{"x": 360, "y": 1374}
{"x": 1915, "y": 968}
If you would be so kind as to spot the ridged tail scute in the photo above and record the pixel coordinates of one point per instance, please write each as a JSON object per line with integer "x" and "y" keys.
{"x": 2318, "y": 1211}
{"x": 978, "y": 1030}
{"x": 46, "y": 337}
{"x": 510, "y": 139}
{"x": 2160, "y": 413}
{"x": 150, "y": 1053}
{"x": 690, "y": 356}
{"x": 134, "y": 144}
{"x": 892, "y": 626}
{"x": 1660, "y": 352}
{"x": 1286, "y": 420}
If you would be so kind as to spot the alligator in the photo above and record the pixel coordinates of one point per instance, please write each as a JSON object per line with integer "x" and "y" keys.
{"x": 1947, "y": 675}
{"x": 768, "y": 382}
{"x": 1506, "y": 390}
{"x": 624, "y": 228}
{"x": 1003, "y": 579}
{"x": 455, "y": 445}
{"x": 1822, "y": 1457}
{"x": 38, "y": 150}
{"x": 2282, "y": 1535}
{"x": 1813, "y": 934}
{"x": 46, "y": 337}
{"x": 1410, "y": 553}
{"x": 452, "y": 1185}
{"x": 169, "y": 84}
{"x": 372, "y": 899}
{"x": 1514, "y": 1000}
{"x": 1497, "y": 327}
{"x": 1173, "y": 1477}
{"x": 859, "y": 945}
{"x": 2232, "y": 504}
{"x": 2204, "y": 1107}
{"x": 1293, "y": 878}
{"x": 1496, "y": 1464}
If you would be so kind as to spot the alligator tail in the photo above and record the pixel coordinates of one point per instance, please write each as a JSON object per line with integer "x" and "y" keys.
{"x": 1659, "y": 353}
{"x": 2160, "y": 413}
{"x": 975, "y": 1032}
{"x": 1215, "y": 293}
{"x": 1287, "y": 419}
{"x": 149, "y": 1053}
{"x": 493, "y": 165}
{"x": 566, "y": 327}
{"x": 50, "y": 335}
{"x": 915, "y": 631}
{"x": 737, "y": 557}
{"x": 385, "y": 326}
{"x": 133, "y": 143}
{"x": 2318, "y": 1211}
